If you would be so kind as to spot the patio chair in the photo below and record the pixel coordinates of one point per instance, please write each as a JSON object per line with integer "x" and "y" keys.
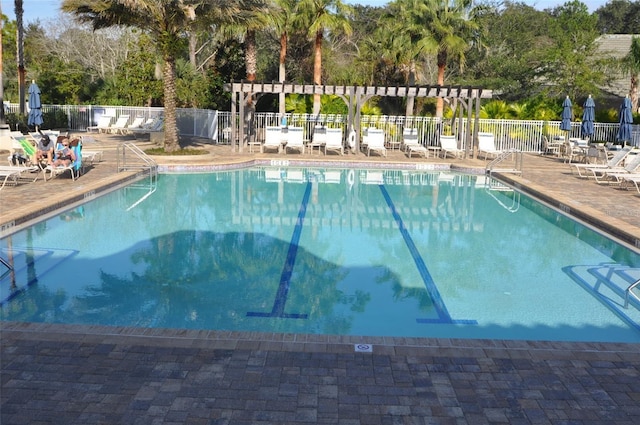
{"x": 318, "y": 139}
{"x": 487, "y": 145}
{"x": 333, "y": 141}
{"x": 295, "y": 139}
{"x": 14, "y": 173}
{"x": 272, "y": 139}
{"x": 615, "y": 161}
{"x": 550, "y": 147}
{"x": 449, "y": 146}
{"x": 375, "y": 141}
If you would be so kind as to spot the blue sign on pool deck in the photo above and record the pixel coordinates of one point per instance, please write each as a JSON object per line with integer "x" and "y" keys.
{"x": 324, "y": 251}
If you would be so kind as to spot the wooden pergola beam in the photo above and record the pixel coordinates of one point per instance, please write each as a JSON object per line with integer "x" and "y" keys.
{"x": 353, "y": 96}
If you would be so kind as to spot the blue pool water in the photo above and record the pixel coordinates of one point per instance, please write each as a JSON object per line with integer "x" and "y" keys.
{"x": 347, "y": 252}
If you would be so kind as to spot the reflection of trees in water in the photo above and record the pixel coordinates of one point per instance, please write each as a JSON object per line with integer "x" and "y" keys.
{"x": 194, "y": 279}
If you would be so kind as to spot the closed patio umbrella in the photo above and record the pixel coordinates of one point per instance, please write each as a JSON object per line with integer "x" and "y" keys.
{"x": 35, "y": 106}
{"x": 588, "y": 117}
{"x": 626, "y": 119}
{"x": 567, "y": 115}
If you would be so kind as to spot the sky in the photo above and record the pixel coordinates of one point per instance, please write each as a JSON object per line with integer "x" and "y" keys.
{"x": 45, "y": 10}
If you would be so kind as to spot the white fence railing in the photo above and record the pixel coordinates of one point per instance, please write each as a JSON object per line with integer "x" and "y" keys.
{"x": 215, "y": 125}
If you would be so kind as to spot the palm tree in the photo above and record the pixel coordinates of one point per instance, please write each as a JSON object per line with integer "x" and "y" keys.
{"x": 446, "y": 27}
{"x": 631, "y": 65}
{"x": 319, "y": 16}
{"x": 407, "y": 24}
{"x": 281, "y": 19}
{"x": 166, "y": 22}
{"x": 19, "y": 10}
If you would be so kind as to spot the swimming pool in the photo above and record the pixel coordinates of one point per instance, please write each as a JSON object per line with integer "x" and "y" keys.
{"x": 325, "y": 251}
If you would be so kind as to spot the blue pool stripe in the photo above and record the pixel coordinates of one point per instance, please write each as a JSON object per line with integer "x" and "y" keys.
{"x": 285, "y": 278}
{"x": 432, "y": 289}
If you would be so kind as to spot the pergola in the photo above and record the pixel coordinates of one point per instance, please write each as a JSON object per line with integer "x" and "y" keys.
{"x": 354, "y": 96}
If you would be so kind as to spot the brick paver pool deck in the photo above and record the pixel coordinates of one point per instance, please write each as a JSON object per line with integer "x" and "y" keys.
{"x": 65, "y": 374}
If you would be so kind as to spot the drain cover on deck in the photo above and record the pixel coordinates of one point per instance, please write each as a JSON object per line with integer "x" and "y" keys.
{"x": 363, "y": 348}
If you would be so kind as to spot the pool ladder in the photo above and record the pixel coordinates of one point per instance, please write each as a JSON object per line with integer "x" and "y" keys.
{"x": 629, "y": 293}
{"x": 515, "y": 156}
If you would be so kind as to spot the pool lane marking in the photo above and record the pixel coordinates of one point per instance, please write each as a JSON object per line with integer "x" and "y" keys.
{"x": 432, "y": 289}
{"x": 285, "y": 278}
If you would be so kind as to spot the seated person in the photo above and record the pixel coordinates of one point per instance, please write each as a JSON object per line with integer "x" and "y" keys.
{"x": 64, "y": 154}
{"x": 44, "y": 150}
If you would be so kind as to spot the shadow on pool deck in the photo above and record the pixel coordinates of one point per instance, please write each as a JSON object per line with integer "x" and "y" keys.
{"x": 52, "y": 374}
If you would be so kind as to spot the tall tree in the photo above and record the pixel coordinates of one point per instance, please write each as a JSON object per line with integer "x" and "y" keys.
{"x": 407, "y": 36}
{"x": 281, "y": 19}
{"x": 321, "y": 17}
{"x": 631, "y": 65}
{"x": 19, "y": 11}
{"x": 454, "y": 27}
{"x": 572, "y": 67}
{"x": 166, "y": 22}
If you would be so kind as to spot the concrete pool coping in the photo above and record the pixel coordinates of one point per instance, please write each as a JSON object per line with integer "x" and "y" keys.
{"x": 94, "y": 374}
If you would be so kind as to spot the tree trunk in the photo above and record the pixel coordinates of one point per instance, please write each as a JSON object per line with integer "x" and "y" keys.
{"x": 251, "y": 55}
{"x": 633, "y": 92}
{"x": 19, "y": 10}
{"x": 171, "y": 138}
{"x": 193, "y": 42}
{"x": 317, "y": 70}
{"x": 282, "y": 71}
{"x": 442, "y": 65}
{"x": 411, "y": 82}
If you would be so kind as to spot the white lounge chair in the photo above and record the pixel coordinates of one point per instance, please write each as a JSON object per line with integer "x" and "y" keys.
{"x": 136, "y": 124}
{"x": 119, "y": 126}
{"x": 319, "y": 138}
{"x": 295, "y": 139}
{"x": 449, "y": 146}
{"x": 375, "y": 141}
{"x": 617, "y": 174}
{"x": 487, "y": 145}
{"x": 102, "y": 125}
{"x": 272, "y": 139}
{"x": 333, "y": 141}
{"x": 411, "y": 144}
{"x": 616, "y": 160}
{"x": 14, "y": 173}
{"x": 151, "y": 125}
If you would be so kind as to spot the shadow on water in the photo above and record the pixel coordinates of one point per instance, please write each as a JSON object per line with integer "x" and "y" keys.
{"x": 200, "y": 280}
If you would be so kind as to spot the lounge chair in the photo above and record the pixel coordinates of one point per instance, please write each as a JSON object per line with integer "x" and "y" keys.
{"x": 487, "y": 145}
{"x": 151, "y": 125}
{"x": 631, "y": 180}
{"x": 136, "y": 124}
{"x": 375, "y": 141}
{"x": 615, "y": 161}
{"x": 617, "y": 174}
{"x": 102, "y": 125}
{"x": 14, "y": 173}
{"x": 120, "y": 125}
{"x": 333, "y": 141}
{"x": 449, "y": 146}
{"x": 75, "y": 167}
{"x": 318, "y": 139}
{"x": 272, "y": 138}
{"x": 295, "y": 139}
{"x": 410, "y": 143}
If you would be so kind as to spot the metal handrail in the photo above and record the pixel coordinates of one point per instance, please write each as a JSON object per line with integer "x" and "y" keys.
{"x": 6, "y": 263}
{"x": 628, "y": 293}
{"x": 514, "y": 154}
{"x": 140, "y": 161}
